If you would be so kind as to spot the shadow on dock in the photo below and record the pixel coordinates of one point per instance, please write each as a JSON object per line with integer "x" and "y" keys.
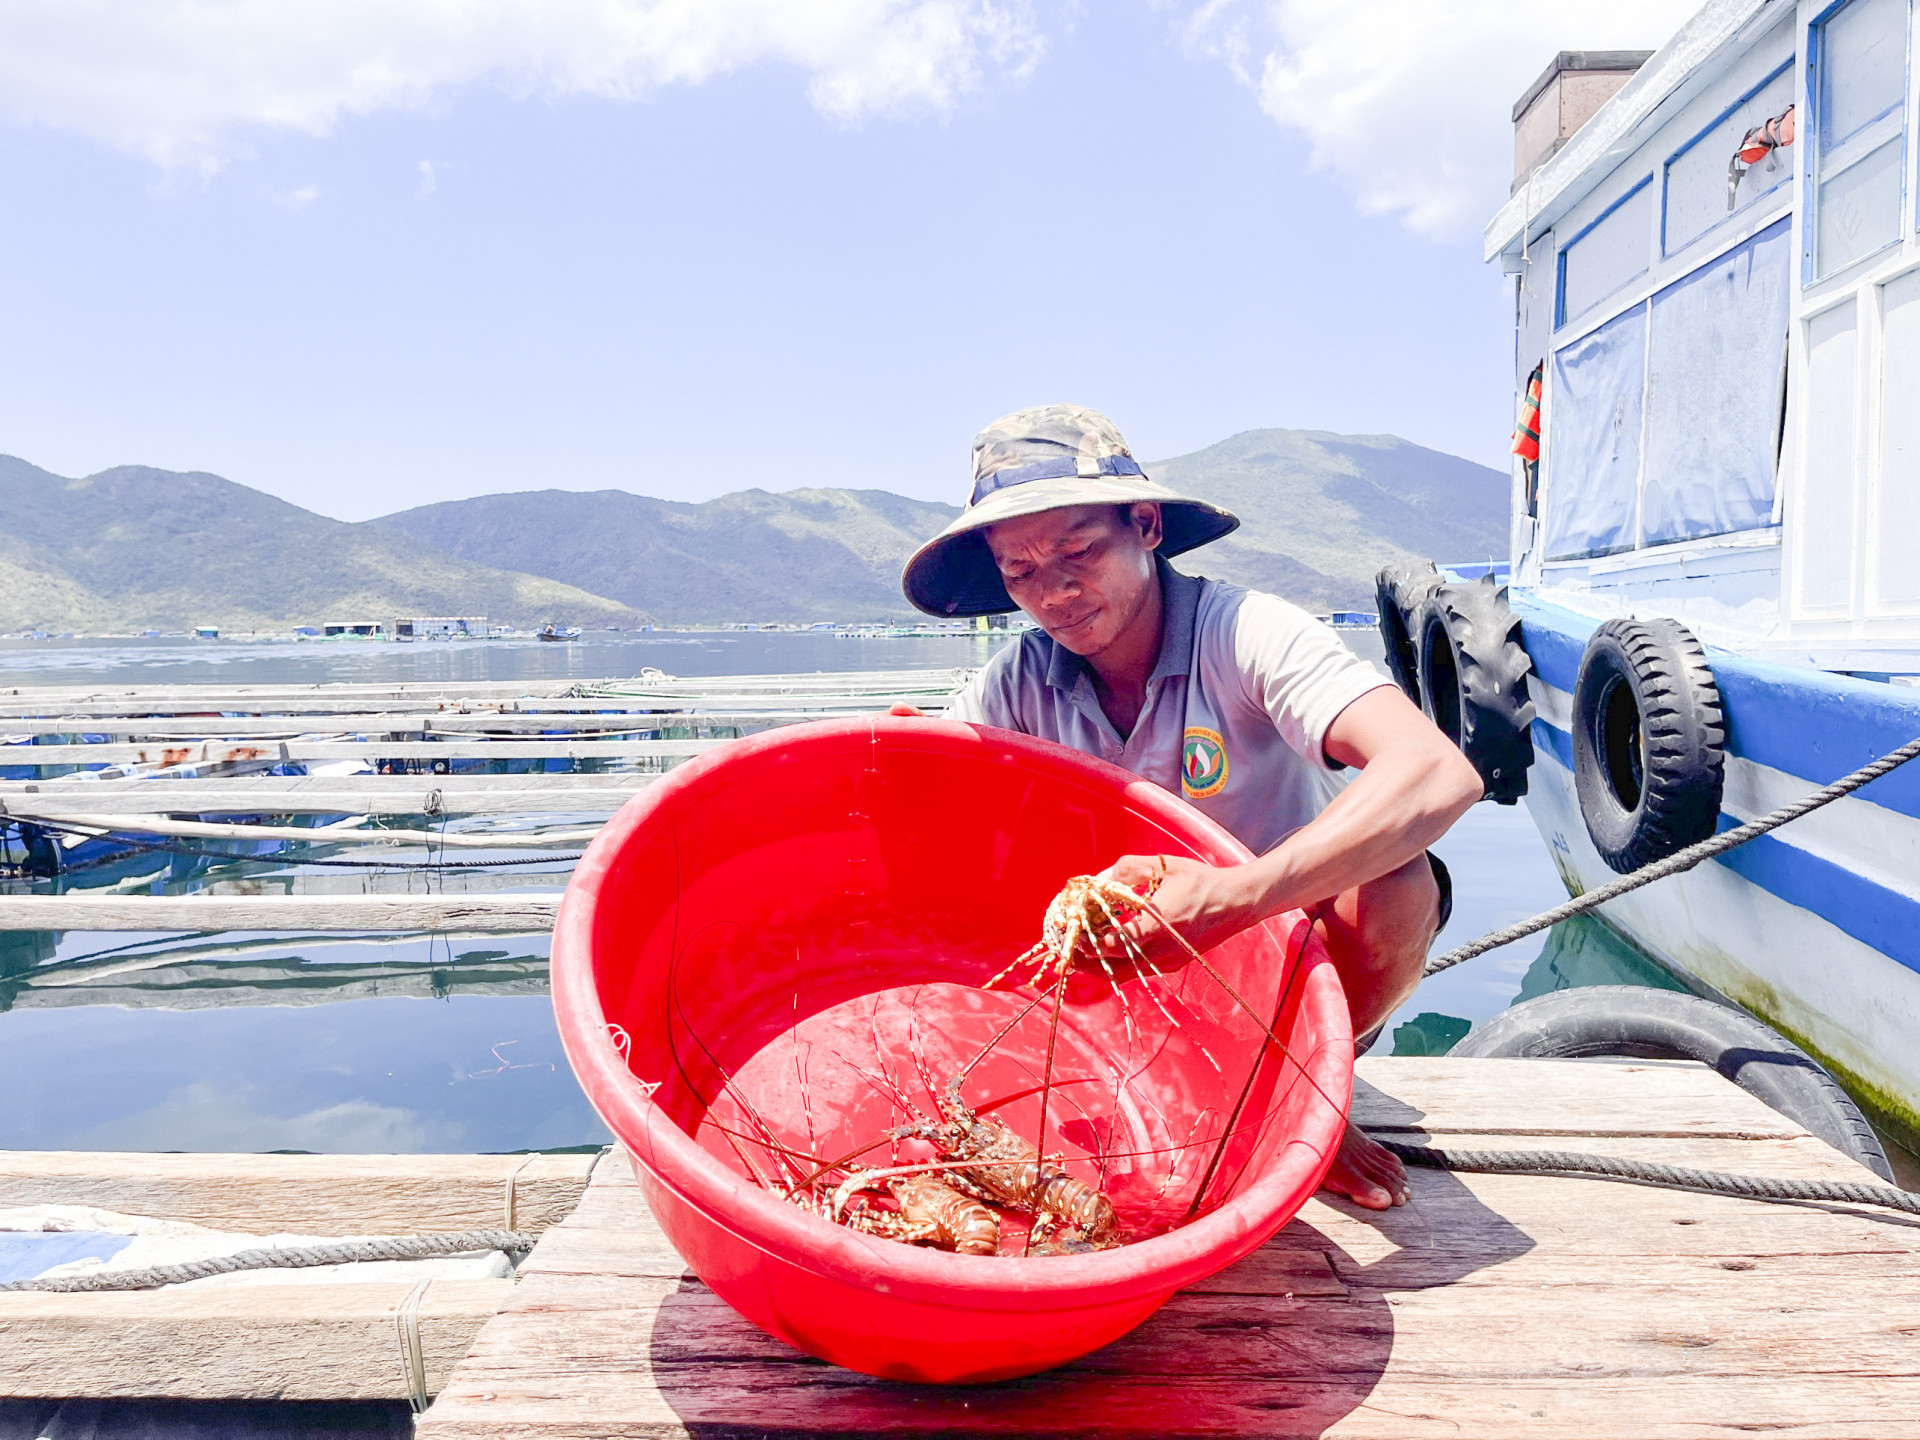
{"x": 1287, "y": 1343}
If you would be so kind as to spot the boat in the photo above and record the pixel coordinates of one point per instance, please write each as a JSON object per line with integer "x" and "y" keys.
{"x": 550, "y": 632}
{"x": 1716, "y": 512}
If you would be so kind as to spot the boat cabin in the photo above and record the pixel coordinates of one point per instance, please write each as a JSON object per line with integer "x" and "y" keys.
{"x": 1716, "y": 292}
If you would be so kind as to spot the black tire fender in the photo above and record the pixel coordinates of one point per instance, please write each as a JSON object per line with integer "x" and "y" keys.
{"x": 1399, "y": 591}
{"x": 1633, "y": 1020}
{"x": 1473, "y": 681}
{"x": 1649, "y": 742}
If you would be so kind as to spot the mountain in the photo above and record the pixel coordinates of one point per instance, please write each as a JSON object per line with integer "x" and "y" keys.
{"x": 135, "y": 547}
{"x": 801, "y": 555}
{"x": 1321, "y": 513}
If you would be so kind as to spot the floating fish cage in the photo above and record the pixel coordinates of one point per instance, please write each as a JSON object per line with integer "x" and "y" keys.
{"x": 772, "y": 972}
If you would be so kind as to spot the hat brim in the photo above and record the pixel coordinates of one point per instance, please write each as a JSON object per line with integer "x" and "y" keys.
{"x": 953, "y": 574}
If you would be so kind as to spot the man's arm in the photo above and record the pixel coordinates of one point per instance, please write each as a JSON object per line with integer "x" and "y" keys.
{"x": 1413, "y": 784}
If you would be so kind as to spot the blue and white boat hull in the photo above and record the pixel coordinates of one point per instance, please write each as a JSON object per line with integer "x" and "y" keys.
{"x": 1815, "y": 927}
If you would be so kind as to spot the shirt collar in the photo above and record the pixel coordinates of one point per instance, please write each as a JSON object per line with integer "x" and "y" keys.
{"x": 1179, "y": 604}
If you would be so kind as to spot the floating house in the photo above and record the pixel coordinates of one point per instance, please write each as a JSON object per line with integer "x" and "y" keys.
{"x": 1716, "y": 511}
{"x": 441, "y": 627}
{"x": 354, "y": 629}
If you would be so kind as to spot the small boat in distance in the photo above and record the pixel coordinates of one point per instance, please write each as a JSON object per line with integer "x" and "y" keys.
{"x": 549, "y": 632}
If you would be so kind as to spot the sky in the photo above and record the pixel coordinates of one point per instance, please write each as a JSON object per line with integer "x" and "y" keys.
{"x": 371, "y": 254}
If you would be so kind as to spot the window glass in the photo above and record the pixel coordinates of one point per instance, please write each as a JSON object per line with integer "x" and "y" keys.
{"x": 1593, "y": 414}
{"x": 1863, "y": 66}
{"x": 1614, "y": 250}
{"x": 1696, "y": 178}
{"x": 1860, "y": 208}
{"x": 1714, "y": 371}
{"x": 1860, "y": 159}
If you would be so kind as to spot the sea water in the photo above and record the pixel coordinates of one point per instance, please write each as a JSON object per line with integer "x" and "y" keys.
{"x": 250, "y": 1042}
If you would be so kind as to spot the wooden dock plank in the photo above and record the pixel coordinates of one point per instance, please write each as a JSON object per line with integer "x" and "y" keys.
{"x": 305, "y": 1194}
{"x": 326, "y": 794}
{"x": 1494, "y": 1305}
{"x": 204, "y": 1342}
{"x": 489, "y": 914}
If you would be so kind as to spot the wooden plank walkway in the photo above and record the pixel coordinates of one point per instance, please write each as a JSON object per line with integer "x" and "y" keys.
{"x": 273, "y": 1340}
{"x": 1492, "y": 1306}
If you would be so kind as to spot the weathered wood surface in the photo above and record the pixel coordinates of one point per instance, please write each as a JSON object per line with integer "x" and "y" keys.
{"x": 537, "y": 696}
{"x": 283, "y": 1342}
{"x": 490, "y": 914}
{"x": 325, "y": 794}
{"x": 1492, "y": 1306}
{"x": 728, "y": 710}
{"x": 305, "y": 1194}
{"x": 345, "y": 833}
{"x": 225, "y": 752}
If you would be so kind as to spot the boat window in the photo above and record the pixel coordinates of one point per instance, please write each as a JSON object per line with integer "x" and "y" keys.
{"x": 1594, "y": 415}
{"x": 1715, "y": 353}
{"x": 1614, "y": 249}
{"x": 1698, "y": 193}
{"x": 1859, "y": 91}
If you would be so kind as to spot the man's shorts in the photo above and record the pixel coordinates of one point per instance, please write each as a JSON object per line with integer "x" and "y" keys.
{"x": 1445, "y": 882}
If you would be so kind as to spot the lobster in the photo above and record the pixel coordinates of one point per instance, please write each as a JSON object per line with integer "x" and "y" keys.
{"x": 997, "y": 1164}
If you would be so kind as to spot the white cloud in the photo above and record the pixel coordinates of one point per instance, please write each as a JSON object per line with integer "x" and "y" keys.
{"x": 184, "y": 83}
{"x": 295, "y": 199}
{"x": 429, "y": 182}
{"x": 1409, "y": 102}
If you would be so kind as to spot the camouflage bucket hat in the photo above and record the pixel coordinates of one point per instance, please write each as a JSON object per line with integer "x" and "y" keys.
{"x": 1043, "y": 459}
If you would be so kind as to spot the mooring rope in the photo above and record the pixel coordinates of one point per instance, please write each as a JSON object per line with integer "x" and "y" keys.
{"x": 1681, "y": 860}
{"x": 299, "y": 1257}
{"x": 1648, "y": 1172}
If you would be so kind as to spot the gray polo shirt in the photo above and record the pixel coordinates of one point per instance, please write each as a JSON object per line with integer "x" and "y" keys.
{"x": 1236, "y": 713}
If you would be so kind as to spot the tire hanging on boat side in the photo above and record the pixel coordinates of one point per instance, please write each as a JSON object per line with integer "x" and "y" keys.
{"x": 1473, "y": 681}
{"x": 1649, "y": 742}
{"x": 1398, "y": 592}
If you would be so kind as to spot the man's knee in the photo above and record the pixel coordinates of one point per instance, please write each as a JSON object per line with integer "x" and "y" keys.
{"x": 1403, "y": 906}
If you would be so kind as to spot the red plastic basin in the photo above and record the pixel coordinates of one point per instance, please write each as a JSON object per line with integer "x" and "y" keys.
{"x": 782, "y": 944}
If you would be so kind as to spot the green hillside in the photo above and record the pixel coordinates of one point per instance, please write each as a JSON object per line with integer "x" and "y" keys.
{"x": 134, "y": 547}
{"x": 802, "y": 555}
{"x": 1321, "y": 514}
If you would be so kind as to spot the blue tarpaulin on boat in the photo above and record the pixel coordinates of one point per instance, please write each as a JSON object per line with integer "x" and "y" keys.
{"x": 27, "y": 1253}
{"x": 1713, "y": 393}
{"x": 1593, "y": 456}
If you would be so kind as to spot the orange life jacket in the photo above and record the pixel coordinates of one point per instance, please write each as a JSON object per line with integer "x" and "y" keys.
{"x": 1526, "y": 435}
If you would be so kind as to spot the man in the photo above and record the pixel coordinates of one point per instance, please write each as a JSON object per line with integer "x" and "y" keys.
{"x": 1239, "y": 702}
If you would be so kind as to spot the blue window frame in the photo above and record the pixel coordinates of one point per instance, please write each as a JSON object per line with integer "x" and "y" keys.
{"x": 1694, "y": 184}
{"x": 1615, "y": 249}
{"x": 1857, "y": 91}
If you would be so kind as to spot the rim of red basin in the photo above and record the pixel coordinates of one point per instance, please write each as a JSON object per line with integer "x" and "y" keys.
{"x": 963, "y": 1282}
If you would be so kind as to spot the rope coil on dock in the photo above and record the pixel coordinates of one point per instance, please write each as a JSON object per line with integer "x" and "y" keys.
{"x": 1648, "y": 1172}
{"x": 298, "y": 1257}
{"x": 1680, "y": 860}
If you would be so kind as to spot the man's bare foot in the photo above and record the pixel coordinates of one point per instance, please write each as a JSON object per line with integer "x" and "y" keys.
{"x": 1367, "y": 1174}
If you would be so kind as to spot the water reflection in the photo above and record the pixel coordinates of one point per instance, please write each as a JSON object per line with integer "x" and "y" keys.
{"x": 278, "y": 1043}
{"x": 265, "y": 1042}
{"x": 1582, "y": 951}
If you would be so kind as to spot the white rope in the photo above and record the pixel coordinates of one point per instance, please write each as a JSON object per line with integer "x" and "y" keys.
{"x": 512, "y": 1196}
{"x": 413, "y": 1361}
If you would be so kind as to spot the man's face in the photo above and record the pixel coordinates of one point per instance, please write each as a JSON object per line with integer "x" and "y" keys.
{"x": 1083, "y": 574}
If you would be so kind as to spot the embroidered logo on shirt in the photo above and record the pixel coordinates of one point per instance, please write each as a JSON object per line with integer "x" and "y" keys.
{"x": 1203, "y": 763}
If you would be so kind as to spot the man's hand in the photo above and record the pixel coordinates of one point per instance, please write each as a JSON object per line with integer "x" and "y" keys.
{"x": 1205, "y": 903}
{"x": 906, "y": 711}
